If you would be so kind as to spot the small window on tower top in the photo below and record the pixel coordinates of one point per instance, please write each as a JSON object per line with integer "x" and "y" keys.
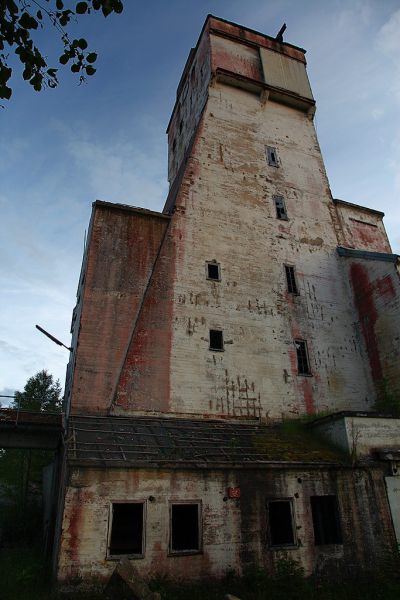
{"x": 216, "y": 340}
{"x": 291, "y": 280}
{"x": 272, "y": 156}
{"x": 280, "y": 208}
{"x": 213, "y": 271}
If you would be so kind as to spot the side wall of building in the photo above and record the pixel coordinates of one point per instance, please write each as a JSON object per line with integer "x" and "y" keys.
{"x": 376, "y": 290}
{"x": 121, "y": 252}
{"x": 234, "y": 532}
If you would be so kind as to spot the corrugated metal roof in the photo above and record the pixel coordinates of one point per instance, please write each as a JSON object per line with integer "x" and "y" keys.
{"x": 174, "y": 443}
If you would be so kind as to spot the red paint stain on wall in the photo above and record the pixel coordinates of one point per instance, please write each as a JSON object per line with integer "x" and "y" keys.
{"x": 365, "y": 303}
{"x": 307, "y": 390}
{"x": 74, "y": 527}
{"x": 366, "y": 237}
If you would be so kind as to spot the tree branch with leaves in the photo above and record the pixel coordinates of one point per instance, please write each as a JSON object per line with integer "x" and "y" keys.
{"x": 19, "y": 19}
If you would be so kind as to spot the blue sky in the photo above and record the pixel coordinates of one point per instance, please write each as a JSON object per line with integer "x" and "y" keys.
{"x": 62, "y": 149}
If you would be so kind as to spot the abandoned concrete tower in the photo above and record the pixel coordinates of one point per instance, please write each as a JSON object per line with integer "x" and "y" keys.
{"x": 253, "y": 298}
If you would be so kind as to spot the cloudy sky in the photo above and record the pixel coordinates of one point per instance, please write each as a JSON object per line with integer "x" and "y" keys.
{"x": 62, "y": 149}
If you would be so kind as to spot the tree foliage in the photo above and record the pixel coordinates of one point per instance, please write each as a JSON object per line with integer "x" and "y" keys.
{"x": 19, "y": 19}
{"x": 41, "y": 394}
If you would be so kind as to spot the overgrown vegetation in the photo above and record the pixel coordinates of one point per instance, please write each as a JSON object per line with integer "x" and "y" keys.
{"x": 24, "y": 574}
{"x": 388, "y": 401}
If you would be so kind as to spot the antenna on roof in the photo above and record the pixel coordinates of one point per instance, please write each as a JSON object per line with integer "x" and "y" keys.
{"x": 279, "y": 37}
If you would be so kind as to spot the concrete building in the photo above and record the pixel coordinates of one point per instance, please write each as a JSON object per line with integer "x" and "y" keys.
{"x": 253, "y": 298}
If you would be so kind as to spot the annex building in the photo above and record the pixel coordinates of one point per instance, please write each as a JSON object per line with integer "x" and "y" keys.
{"x": 202, "y": 333}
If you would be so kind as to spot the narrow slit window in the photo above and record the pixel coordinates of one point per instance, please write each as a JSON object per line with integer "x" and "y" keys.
{"x": 326, "y": 521}
{"x": 303, "y": 363}
{"x": 216, "y": 339}
{"x": 126, "y": 529}
{"x": 291, "y": 280}
{"x": 213, "y": 271}
{"x": 272, "y": 156}
{"x": 280, "y": 208}
{"x": 185, "y": 527}
{"x": 280, "y": 523}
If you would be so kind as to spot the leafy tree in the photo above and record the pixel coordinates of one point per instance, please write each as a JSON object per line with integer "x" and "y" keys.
{"x": 21, "y": 469}
{"x": 20, "y": 18}
{"x": 41, "y": 394}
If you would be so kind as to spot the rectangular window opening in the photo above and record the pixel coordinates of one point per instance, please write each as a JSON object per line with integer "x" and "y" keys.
{"x": 213, "y": 271}
{"x": 216, "y": 339}
{"x": 280, "y": 523}
{"x": 272, "y": 156}
{"x": 291, "y": 280}
{"x": 303, "y": 364}
{"x": 127, "y": 529}
{"x": 326, "y": 521}
{"x": 280, "y": 208}
{"x": 185, "y": 527}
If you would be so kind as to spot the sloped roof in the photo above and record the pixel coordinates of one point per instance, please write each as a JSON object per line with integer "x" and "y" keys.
{"x": 177, "y": 443}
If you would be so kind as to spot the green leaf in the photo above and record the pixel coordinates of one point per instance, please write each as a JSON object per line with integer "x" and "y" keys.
{"x": 64, "y": 58}
{"x": 27, "y": 21}
{"x": 39, "y": 15}
{"x": 52, "y": 72}
{"x": 118, "y": 7}
{"x": 81, "y": 8}
{"x": 82, "y": 44}
{"x": 12, "y": 7}
{"x": 27, "y": 73}
{"x": 90, "y": 70}
{"x": 75, "y": 68}
{"x": 5, "y": 92}
{"x": 92, "y": 57}
{"x": 59, "y": 4}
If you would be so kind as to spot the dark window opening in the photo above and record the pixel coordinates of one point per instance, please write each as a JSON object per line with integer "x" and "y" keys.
{"x": 185, "y": 528}
{"x": 280, "y": 208}
{"x": 303, "y": 365}
{"x": 326, "y": 522}
{"x": 213, "y": 271}
{"x": 291, "y": 280}
{"x": 216, "y": 339}
{"x": 127, "y": 529}
{"x": 280, "y": 523}
{"x": 272, "y": 157}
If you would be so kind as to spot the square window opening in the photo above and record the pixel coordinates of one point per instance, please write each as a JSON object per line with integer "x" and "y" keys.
{"x": 272, "y": 156}
{"x": 280, "y": 208}
{"x": 326, "y": 520}
{"x": 280, "y": 523}
{"x": 185, "y": 528}
{"x": 291, "y": 280}
{"x": 213, "y": 271}
{"x": 303, "y": 363}
{"x": 127, "y": 529}
{"x": 216, "y": 339}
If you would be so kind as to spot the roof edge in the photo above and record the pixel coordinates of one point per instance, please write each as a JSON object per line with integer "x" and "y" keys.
{"x": 129, "y": 208}
{"x": 364, "y": 208}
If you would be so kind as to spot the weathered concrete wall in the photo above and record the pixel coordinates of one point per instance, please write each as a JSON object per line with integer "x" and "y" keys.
{"x": 191, "y": 98}
{"x": 376, "y": 290}
{"x": 360, "y": 435}
{"x": 362, "y": 228}
{"x": 228, "y": 215}
{"x": 122, "y": 249}
{"x": 234, "y": 532}
{"x": 235, "y": 56}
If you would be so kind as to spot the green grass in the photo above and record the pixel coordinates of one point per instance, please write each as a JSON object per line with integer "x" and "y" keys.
{"x": 24, "y": 574}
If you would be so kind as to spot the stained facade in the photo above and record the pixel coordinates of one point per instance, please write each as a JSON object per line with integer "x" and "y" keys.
{"x": 252, "y": 298}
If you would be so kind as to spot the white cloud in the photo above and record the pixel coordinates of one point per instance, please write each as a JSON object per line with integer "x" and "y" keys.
{"x": 388, "y": 38}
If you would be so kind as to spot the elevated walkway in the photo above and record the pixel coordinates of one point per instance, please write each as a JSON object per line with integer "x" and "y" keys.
{"x": 25, "y": 429}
